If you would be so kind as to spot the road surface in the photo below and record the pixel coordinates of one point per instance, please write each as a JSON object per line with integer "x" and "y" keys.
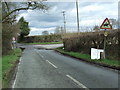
{"x": 40, "y": 68}
{"x": 50, "y": 46}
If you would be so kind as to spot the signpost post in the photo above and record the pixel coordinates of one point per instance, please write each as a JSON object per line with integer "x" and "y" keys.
{"x": 105, "y": 25}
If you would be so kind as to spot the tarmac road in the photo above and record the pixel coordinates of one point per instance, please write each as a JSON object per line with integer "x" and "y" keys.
{"x": 49, "y": 46}
{"x": 49, "y": 69}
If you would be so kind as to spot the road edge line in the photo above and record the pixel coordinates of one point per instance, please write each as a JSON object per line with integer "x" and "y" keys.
{"x": 13, "y": 86}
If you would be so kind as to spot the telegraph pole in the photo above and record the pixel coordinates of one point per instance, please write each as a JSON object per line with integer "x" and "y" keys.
{"x": 77, "y": 16}
{"x": 64, "y": 21}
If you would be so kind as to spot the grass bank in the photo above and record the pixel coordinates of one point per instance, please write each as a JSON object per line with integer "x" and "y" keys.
{"x": 85, "y": 57}
{"x": 9, "y": 62}
{"x": 0, "y": 72}
{"x": 42, "y": 43}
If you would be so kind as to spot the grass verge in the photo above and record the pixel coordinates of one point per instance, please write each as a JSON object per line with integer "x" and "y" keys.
{"x": 9, "y": 62}
{"x": 43, "y": 43}
{"x": 0, "y": 72}
{"x": 115, "y": 64}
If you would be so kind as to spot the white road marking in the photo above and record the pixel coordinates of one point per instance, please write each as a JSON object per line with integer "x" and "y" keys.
{"x": 20, "y": 61}
{"x": 77, "y": 82}
{"x": 51, "y": 64}
{"x": 42, "y": 56}
{"x": 13, "y": 86}
{"x": 14, "y": 82}
{"x": 39, "y": 54}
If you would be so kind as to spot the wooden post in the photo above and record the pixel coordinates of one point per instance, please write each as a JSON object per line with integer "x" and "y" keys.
{"x": 105, "y": 43}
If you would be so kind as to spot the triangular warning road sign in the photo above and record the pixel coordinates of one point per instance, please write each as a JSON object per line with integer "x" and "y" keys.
{"x": 106, "y": 24}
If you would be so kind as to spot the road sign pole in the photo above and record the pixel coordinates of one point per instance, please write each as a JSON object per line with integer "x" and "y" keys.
{"x": 105, "y": 25}
{"x": 104, "y": 43}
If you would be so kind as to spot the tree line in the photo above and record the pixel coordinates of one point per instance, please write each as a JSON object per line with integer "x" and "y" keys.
{"x": 10, "y": 27}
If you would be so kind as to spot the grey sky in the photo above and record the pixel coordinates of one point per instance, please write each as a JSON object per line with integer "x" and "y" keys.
{"x": 90, "y": 13}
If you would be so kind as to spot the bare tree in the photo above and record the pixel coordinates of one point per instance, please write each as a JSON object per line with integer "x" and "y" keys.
{"x": 96, "y": 28}
{"x": 9, "y": 25}
{"x": 25, "y": 6}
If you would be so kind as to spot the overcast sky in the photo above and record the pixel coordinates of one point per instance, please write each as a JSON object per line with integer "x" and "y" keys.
{"x": 90, "y": 14}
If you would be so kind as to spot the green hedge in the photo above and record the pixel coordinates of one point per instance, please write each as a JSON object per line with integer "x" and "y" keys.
{"x": 84, "y": 42}
{"x": 43, "y": 38}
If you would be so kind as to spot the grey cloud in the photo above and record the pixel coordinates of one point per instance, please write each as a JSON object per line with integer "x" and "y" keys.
{"x": 53, "y": 17}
